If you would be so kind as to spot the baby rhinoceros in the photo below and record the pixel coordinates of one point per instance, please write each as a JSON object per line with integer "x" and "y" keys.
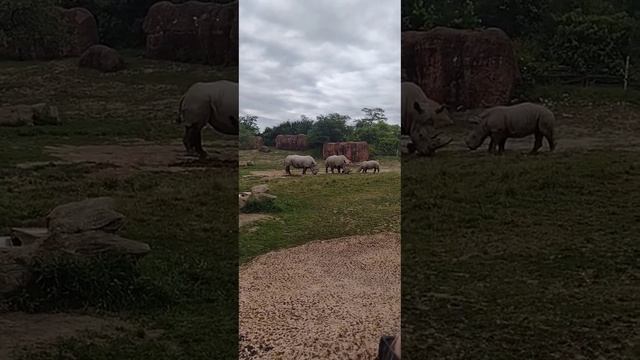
{"x": 339, "y": 162}
{"x": 300, "y": 162}
{"x": 516, "y": 121}
{"x": 368, "y": 165}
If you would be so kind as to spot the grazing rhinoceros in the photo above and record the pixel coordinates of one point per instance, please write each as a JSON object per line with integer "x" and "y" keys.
{"x": 420, "y": 116}
{"x": 339, "y": 162}
{"x": 300, "y": 162}
{"x": 516, "y": 121}
{"x": 214, "y": 103}
{"x": 368, "y": 165}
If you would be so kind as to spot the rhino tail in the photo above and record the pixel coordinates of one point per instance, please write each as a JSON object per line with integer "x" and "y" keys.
{"x": 179, "y": 118}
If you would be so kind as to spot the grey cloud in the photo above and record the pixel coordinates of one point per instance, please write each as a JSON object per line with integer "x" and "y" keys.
{"x": 317, "y": 57}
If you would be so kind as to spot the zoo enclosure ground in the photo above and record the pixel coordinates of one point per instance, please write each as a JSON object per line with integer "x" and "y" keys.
{"x": 189, "y": 219}
{"x": 522, "y": 256}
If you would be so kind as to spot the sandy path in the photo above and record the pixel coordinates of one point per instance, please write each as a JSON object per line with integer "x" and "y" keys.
{"x": 329, "y": 299}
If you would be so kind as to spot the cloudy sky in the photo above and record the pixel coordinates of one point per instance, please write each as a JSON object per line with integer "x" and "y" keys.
{"x": 317, "y": 57}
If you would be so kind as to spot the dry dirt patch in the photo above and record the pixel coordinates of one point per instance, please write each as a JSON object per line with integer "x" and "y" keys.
{"x": 329, "y": 299}
{"x": 18, "y": 330}
{"x": 246, "y": 219}
{"x": 125, "y": 159}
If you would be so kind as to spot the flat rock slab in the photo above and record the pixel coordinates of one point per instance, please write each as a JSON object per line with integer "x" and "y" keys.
{"x": 328, "y": 299}
{"x": 28, "y": 236}
{"x": 18, "y": 330}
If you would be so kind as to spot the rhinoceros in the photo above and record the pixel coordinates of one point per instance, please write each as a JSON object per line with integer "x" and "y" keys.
{"x": 214, "y": 103}
{"x": 300, "y": 162}
{"x": 368, "y": 165}
{"x": 516, "y": 121}
{"x": 420, "y": 116}
{"x": 339, "y": 162}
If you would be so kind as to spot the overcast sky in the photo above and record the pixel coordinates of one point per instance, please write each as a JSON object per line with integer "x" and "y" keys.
{"x": 318, "y": 57}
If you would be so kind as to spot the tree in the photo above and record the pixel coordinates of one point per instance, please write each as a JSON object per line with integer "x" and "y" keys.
{"x": 372, "y": 115}
{"x": 383, "y": 138}
{"x": 250, "y": 122}
{"x": 248, "y": 131}
{"x": 329, "y": 128}
{"x": 29, "y": 29}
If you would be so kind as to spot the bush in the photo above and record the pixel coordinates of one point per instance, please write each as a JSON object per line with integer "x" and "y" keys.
{"x": 592, "y": 43}
{"x": 105, "y": 283}
{"x": 269, "y": 206}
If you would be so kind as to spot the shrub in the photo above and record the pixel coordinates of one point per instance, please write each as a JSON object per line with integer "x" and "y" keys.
{"x": 106, "y": 283}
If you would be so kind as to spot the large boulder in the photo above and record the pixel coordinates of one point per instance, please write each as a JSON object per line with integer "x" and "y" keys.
{"x": 85, "y": 215}
{"x": 292, "y": 142}
{"x": 468, "y": 68}
{"x": 102, "y": 58}
{"x": 83, "y": 30}
{"x": 194, "y": 31}
{"x": 356, "y": 151}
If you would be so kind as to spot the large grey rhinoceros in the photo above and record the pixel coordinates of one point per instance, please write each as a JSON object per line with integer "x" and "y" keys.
{"x": 516, "y": 121}
{"x": 420, "y": 117}
{"x": 300, "y": 162}
{"x": 339, "y": 162}
{"x": 214, "y": 103}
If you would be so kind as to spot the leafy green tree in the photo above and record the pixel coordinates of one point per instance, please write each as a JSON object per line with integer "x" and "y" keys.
{"x": 383, "y": 138}
{"x": 329, "y": 128}
{"x": 593, "y": 43}
{"x": 248, "y": 130}
{"x": 29, "y": 29}
{"x": 302, "y": 126}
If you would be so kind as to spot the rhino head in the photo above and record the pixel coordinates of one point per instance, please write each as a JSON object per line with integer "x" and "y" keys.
{"x": 423, "y": 139}
{"x": 479, "y": 133}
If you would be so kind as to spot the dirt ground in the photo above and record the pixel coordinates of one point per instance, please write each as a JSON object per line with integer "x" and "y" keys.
{"x": 19, "y": 330}
{"x": 128, "y": 158}
{"x": 323, "y": 300}
{"x": 247, "y": 219}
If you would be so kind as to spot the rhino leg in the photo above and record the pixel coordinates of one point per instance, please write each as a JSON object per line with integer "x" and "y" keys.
{"x": 326, "y": 169}
{"x": 186, "y": 140}
{"x": 501, "y": 144}
{"x": 196, "y": 141}
{"x": 552, "y": 142}
{"x": 304, "y": 171}
{"x": 491, "y": 146}
{"x": 288, "y": 169}
{"x": 537, "y": 144}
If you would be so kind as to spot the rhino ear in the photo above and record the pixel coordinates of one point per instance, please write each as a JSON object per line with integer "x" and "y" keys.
{"x": 417, "y": 107}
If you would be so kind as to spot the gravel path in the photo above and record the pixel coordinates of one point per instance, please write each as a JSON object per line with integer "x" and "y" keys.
{"x": 328, "y": 299}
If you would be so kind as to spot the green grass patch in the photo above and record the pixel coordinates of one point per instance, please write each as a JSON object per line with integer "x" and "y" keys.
{"x": 324, "y": 207}
{"x": 106, "y": 283}
{"x": 520, "y": 257}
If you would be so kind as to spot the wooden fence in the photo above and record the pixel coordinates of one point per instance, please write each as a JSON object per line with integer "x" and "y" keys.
{"x": 562, "y": 75}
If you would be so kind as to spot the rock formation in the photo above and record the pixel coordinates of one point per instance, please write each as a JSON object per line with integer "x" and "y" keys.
{"x": 355, "y": 151}
{"x": 292, "y": 142}
{"x": 194, "y": 31}
{"x": 469, "y": 68}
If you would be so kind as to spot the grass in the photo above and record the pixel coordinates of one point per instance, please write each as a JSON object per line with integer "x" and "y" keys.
{"x": 521, "y": 257}
{"x": 320, "y": 207}
{"x": 189, "y": 219}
